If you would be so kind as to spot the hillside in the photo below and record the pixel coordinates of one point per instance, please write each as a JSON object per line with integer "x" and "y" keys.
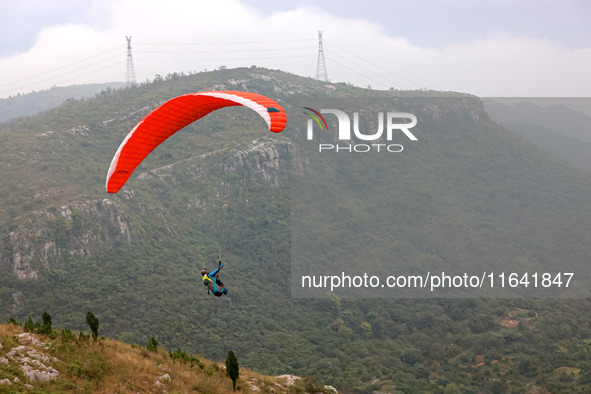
{"x": 67, "y": 362}
{"x": 467, "y": 196}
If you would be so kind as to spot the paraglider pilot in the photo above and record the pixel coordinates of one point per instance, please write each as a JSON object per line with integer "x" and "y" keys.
{"x": 213, "y": 282}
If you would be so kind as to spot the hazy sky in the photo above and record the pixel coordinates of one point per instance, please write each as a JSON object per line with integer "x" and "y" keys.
{"x": 487, "y": 48}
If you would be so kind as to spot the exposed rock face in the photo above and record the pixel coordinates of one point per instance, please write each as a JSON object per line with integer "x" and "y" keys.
{"x": 269, "y": 159}
{"x": 44, "y": 237}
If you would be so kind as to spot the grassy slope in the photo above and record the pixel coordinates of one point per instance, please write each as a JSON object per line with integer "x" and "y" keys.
{"x": 109, "y": 366}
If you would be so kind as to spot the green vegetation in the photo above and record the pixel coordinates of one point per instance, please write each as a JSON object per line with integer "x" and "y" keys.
{"x": 232, "y": 368}
{"x": 93, "y": 323}
{"x": 152, "y": 345}
{"x": 36, "y": 327}
{"x": 471, "y": 194}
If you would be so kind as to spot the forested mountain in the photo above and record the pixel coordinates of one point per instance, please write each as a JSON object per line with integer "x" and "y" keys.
{"x": 467, "y": 191}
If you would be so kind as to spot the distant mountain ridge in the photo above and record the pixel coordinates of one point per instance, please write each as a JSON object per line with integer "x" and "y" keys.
{"x": 558, "y": 129}
{"x": 31, "y": 103}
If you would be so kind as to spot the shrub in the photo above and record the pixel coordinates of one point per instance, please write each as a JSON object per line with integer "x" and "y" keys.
{"x": 152, "y": 345}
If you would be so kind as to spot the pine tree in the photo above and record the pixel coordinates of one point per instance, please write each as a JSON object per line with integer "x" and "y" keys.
{"x": 232, "y": 369}
{"x": 93, "y": 323}
{"x": 46, "y": 323}
{"x": 29, "y": 325}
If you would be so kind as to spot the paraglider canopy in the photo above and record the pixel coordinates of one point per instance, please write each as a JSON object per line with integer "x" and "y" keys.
{"x": 177, "y": 113}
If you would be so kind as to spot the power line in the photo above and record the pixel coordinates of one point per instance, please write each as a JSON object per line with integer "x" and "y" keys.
{"x": 65, "y": 71}
{"x": 230, "y": 51}
{"x": 376, "y": 66}
{"x": 114, "y": 56}
{"x": 251, "y": 49}
{"x": 356, "y": 71}
{"x": 64, "y": 66}
{"x": 223, "y": 42}
{"x": 117, "y": 63}
{"x": 237, "y": 58}
{"x": 363, "y": 71}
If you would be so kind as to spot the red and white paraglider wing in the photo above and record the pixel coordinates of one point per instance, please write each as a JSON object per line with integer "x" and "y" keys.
{"x": 175, "y": 114}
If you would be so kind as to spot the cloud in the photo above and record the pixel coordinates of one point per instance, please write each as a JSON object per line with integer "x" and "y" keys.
{"x": 176, "y": 35}
{"x": 21, "y": 21}
{"x": 502, "y": 64}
